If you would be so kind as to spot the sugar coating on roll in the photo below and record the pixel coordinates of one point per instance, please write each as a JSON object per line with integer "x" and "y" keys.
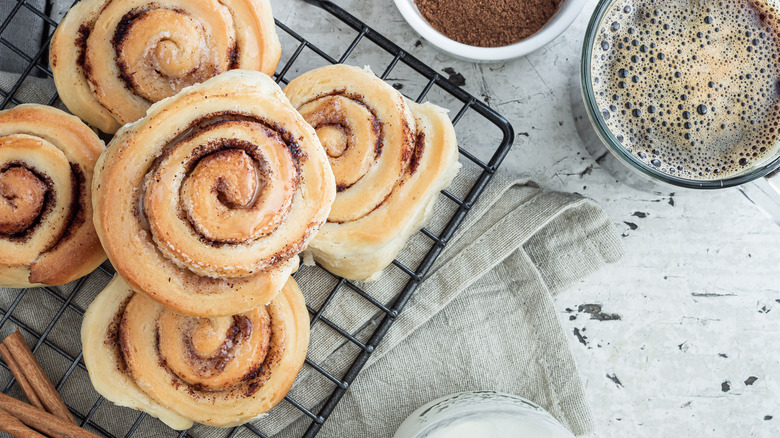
{"x": 206, "y": 202}
{"x": 220, "y": 371}
{"x": 46, "y": 164}
{"x": 112, "y": 59}
{"x": 391, "y": 157}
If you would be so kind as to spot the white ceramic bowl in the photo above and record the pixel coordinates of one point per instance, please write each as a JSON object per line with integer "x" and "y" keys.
{"x": 560, "y": 21}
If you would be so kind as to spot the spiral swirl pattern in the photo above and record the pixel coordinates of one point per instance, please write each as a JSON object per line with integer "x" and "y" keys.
{"x": 205, "y": 203}
{"x": 366, "y": 128}
{"x": 219, "y": 371}
{"x": 390, "y": 159}
{"x": 112, "y": 59}
{"x": 46, "y": 231}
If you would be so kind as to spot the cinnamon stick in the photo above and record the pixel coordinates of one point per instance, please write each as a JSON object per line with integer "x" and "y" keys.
{"x": 35, "y": 375}
{"x": 41, "y": 420}
{"x": 16, "y": 370}
{"x": 10, "y": 424}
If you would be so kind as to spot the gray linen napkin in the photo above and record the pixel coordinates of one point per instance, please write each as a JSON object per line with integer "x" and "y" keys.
{"x": 30, "y": 90}
{"x": 27, "y": 31}
{"x": 484, "y": 318}
{"x": 24, "y": 31}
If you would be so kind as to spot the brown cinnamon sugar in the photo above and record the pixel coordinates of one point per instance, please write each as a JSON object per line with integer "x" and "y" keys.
{"x": 488, "y": 23}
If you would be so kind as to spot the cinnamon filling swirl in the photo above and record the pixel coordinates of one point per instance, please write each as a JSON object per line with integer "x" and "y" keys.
{"x": 390, "y": 157}
{"x": 161, "y": 51}
{"x": 112, "y": 59}
{"x": 366, "y": 129}
{"x": 347, "y": 129}
{"x": 25, "y": 199}
{"x": 232, "y": 188}
{"x": 207, "y": 355}
{"x": 214, "y": 202}
{"x": 219, "y": 371}
{"x": 46, "y": 160}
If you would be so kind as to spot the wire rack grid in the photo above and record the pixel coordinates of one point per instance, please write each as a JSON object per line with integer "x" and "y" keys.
{"x": 19, "y": 310}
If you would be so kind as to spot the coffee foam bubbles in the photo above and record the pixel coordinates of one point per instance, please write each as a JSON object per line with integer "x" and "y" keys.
{"x": 691, "y": 87}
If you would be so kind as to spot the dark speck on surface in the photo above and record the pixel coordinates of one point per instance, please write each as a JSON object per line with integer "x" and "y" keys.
{"x": 398, "y": 86}
{"x": 595, "y": 312}
{"x": 631, "y": 225}
{"x": 417, "y": 43}
{"x": 723, "y": 355}
{"x": 615, "y": 379}
{"x": 455, "y": 77}
{"x": 580, "y": 337}
{"x": 767, "y": 417}
{"x": 725, "y": 386}
{"x": 587, "y": 171}
{"x": 751, "y": 380}
{"x": 640, "y": 214}
{"x": 710, "y": 294}
{"x": 671, "y": 200}
{"x": 524, "y": 134}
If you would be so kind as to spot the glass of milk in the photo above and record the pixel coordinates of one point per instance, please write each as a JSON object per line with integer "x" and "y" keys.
{"x": 484, "y": 414}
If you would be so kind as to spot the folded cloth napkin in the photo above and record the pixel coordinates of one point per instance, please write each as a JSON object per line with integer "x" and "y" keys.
{"x": 27, "y": 31}
{"x": 24, "y": 31}
{"x": 484, "y": 317}
{"x": 31, "y": 89}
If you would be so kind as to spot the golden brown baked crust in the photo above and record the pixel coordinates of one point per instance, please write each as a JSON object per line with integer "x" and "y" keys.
{"x": 112, "y": 59}
{"x": 217, "y": 371}
{"x": 205, "y": 203}
{"x": 46, "y": 163}
{"x": 390, "y": 157}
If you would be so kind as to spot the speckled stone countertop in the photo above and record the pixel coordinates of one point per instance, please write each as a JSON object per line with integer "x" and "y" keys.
{"x": 680, "y": 339}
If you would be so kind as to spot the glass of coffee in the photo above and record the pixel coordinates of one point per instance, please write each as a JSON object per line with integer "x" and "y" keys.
{"x": 684, "y": 93}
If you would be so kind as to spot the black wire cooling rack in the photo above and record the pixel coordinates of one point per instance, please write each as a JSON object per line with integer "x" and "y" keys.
{"x": 49, "y": 316}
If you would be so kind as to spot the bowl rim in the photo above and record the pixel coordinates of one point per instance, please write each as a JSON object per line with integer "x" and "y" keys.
{"x": 558, "y": 23}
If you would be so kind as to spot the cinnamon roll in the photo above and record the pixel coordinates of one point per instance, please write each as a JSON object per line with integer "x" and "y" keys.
{"x": 205, "y": 203}
{"x": 46, "y": 163}
{"x": 220, "y": 371}
{"x": 390, "y": 157}
{"x": 112, "y": 59}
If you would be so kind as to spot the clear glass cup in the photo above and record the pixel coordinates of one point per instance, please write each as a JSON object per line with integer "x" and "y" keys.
{"x": 760, "y": 184}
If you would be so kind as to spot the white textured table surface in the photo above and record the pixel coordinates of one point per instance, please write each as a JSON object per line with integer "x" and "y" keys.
{"x": 679, "y": 339}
